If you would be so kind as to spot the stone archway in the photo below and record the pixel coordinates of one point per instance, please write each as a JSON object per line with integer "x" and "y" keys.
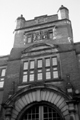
{"x": 40, "y": 111}
{"x": 41, "y": 95}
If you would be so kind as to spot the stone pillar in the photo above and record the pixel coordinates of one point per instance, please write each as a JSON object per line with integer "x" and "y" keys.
{"x": 77, "y": 116}
{"x": 79, "y": 110}
{"x": 8, "y": 112}
{"x": 72, "y": 110}
{"x": 72, "y": 116}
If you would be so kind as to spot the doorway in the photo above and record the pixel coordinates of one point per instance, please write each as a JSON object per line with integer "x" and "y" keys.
{"x": 42, "y": 112}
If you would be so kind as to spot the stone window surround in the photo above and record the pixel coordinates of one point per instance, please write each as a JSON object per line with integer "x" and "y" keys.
{"x": 38, "y": 35}
{"x": 35, "y": 71}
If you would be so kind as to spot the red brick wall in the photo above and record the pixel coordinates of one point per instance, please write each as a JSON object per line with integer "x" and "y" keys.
{"x": 12, "y": 75}
{"x": 69, "y": 65}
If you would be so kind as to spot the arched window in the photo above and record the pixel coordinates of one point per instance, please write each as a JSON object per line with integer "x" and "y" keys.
{"x": 41, "y": 112}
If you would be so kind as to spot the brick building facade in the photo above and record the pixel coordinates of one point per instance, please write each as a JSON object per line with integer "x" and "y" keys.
{"x": 40, "y": 79}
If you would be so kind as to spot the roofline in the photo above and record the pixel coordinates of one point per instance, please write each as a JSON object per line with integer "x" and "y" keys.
{"x": 40, "y": 24}
{"x": 5, "y": 56}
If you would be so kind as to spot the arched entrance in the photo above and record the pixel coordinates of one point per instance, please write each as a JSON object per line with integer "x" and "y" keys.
{"x": 41, "y": 111}
{"x": 38, "y": 101}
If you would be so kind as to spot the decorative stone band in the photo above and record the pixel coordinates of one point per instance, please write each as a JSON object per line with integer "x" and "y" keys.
{"x": 41, "y": 95}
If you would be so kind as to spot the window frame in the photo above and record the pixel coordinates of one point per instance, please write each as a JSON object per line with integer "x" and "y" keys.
{"x": 47, "y": 67}
{"x": 43, "y": 69}
{"x": 31, "y": 69}
{"x": 39, "y": 68}
{"x": 29, "y": 36}
{"x": 2, "y": 76}
{"x": 24, "y": 70}
{"x": 39, "y": 35}
{"x": 50, "y": 34}
{"x": 41, "y": 109}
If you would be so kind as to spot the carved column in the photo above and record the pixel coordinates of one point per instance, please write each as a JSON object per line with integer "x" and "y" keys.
{"x": 79, "y": 110}
{"x": 77, "y": 114}
{"x": 8, "y": 112}
{"x": 72, "y": 110}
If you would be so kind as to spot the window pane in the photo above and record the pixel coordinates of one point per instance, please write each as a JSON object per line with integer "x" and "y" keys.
{"x": 48, "y": 75}
{"x": 39, "y": 76}
{"x": 38, "y": 37}
{"x": 44, "y": 36}
{"x": 54, "y": 61}
{"x": 25, "y": 65}
{"x": 34, "y": 37}
{"x": 51, "y": 35}
{"x": 55, "y": 74}
{"x": 40, "y": 71}
{"x": 39, "y": 63}
{"x": 25, "y": 72}
{"x": 24, "y": 78}
{"x": 3, "y": 72}
{"x": 2, "y": 79}
{"x": 31, "y": 72}
{"x": 1, "y": 84}
{"x": 29, "y": 39}
{"x": 31, "y": 77}
{"x": 47, "y": 62}
{"x": 31, "y": 64}
{"x": 55, "y": 69}
{"x": 48, "y": 69}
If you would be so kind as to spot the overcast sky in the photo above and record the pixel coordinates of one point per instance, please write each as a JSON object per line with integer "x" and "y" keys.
{"x": 11, "y": 9}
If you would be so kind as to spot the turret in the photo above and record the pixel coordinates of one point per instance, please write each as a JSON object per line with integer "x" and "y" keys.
{"x": 20, "y": 22}
{"x": 63, "y": 13}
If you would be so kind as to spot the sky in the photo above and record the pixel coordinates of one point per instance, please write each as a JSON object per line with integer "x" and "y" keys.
{"x": 10, "y": 10}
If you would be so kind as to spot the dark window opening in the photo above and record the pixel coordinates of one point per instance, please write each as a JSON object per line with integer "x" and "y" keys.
{"x": 41, "y": 112}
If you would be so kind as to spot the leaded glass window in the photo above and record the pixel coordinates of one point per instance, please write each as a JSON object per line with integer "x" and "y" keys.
{"x": 31, "y": 72}
{"x": 47, "y": 60}
{"x": 25, "y": 65}
{"x": 32, "y": 64}
{"x": 38, "y": 69}
{"x": 25, "y": 71}
{"x": 50, "y": 33}
{"x": 41, "y": 112}
{"x": 40, "y": 63}
{"x": 47, "y": 68}
{"x": 55, "y": 67}
{"x": 29, "y": 38}
{"x": 2, "y": 77}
